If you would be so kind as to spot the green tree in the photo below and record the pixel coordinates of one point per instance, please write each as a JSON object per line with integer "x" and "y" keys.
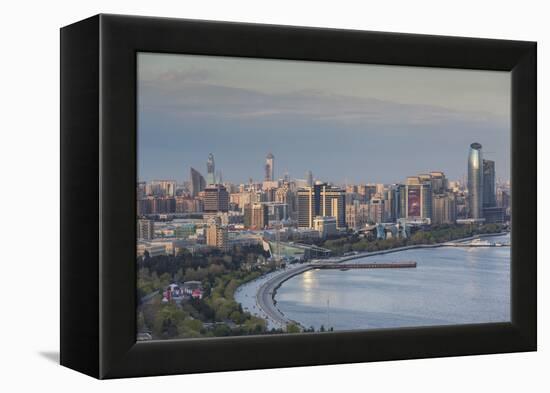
{"x": 293, "y": 328}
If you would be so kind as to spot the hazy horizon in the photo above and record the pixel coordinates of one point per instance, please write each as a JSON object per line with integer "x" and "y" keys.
{"x": 347, "y": 123}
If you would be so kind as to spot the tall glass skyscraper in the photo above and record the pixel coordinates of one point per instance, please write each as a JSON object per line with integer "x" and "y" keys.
{"x": 321, "y": 200}
{"x": 309, "y": 178}
{"x": 210, "y": 170}
{"x": 269, "y": 168}
{"x": 489, "y": 189}
{"x": 475, "y": 181}
{"x": 198, "y": 183}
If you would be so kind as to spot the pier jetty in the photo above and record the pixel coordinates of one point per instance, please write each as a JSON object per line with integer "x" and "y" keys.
{"x": 371, "y": 265}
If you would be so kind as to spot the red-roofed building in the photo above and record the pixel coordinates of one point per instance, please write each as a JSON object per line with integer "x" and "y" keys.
{"x": 196, "y": 294}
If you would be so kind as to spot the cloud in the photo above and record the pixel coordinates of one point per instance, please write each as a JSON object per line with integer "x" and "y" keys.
{"x": 184, "y": 115}
{"x": 193, "y": 94}
{"x": 175, "y": 77}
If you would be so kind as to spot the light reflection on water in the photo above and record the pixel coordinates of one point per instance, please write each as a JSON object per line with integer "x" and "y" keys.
{"x": 448, "y": 286}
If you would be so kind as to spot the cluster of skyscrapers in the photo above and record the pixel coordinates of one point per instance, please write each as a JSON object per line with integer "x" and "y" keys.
{"x": 314, "y": 206}
{"x": 482, "y": 193}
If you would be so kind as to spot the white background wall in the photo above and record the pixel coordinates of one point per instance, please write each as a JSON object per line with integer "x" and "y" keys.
{"x": 29, "y": 157}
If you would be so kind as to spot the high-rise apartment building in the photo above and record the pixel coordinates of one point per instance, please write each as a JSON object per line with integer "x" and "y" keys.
{"x": 391, "y": 204}
{"x": 444, "y": 208}
{"x": 306, "y": 207}
{"x": 416, "y": 198}
{"x": 145, "y": 206}
{"x": 333, "y": 204}
{"x": 376, "y": 210}
{"x": 146, "y": 229}
{"x": 439, "y": 182}
{"x": 357, "y": 214}
{"x": 216, "y": 234}
{"x": 284, "y": 195}
{"x": 321, "y": 200}
{"x": 256, "y": 216}
{"x": 503, "y": 199}
{"x": 162, "y": 188}
{"x": 366, "y": 192}
{"x": 188, "y": 205}
{"x": 216, "y": 199}
{"x": 141, "y": 189}
{"x": 156, "y": 205}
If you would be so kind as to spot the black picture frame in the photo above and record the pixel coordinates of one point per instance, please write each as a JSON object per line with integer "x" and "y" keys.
{"x": 98, "y": 183}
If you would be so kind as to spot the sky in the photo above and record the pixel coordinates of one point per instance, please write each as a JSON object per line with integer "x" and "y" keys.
{"x": 347, "y": 123}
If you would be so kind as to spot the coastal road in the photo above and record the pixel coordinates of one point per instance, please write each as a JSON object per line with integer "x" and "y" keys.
{"x": 266, "y": 293}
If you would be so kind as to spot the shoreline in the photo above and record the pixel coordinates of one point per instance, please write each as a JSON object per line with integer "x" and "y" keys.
{"x": 415, "y": 246}
{"x": 265, "y": 294}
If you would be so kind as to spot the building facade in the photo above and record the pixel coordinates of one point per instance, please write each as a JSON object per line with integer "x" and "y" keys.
{"x": 415, "y": 199}
{"x": 211, "y": 170}
{"x": 444, "y": 209}
{"x": 198, "y": 183}
{"x": 216, "y": 199}
{"x": 439, "y": 182}
{"x": 357, "y": 215}
{"x": 146, "y": 229}
{"x": 256, "y": 216}
{"x": 306, "y": 207}
{"x": 475, "y": 181}
{"x": 161, "y": 188}
{"x": 216, "y": 234}
{"x": 326, "y": 226}
{"x": 377, "y": 210}
{"x": 489, "y": 185}
{"x": 309, "y": 178}
{"x": 269, "y": 168}
{"x": 366, "y": 192}
{"x": 333, "y": 204}
{"x": 321, "y": 200}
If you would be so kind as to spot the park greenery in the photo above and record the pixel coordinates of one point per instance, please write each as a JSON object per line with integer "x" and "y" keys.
{"x": 217, "y": 313}
{"x": 222, "y": 272}
{"x": 355, "y": 242}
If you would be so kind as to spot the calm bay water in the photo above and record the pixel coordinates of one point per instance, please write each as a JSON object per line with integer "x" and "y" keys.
{"x": 448, "y": 286}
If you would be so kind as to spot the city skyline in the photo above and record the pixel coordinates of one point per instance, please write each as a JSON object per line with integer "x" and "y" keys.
{"x": 252, "y": 172}
{"x": 215, "y": 180}
{"x": 190, "y": 106}
{"x": 426, "y": 196}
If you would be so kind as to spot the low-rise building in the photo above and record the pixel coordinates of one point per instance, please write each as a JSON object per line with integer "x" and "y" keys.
{"x": 326, "y": 226}
{"x": 153, "y": 249}
{"x": 494, "y": 215}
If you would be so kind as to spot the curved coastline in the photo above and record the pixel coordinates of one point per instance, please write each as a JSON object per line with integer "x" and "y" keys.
{"x": 265, "y": 295}
{"x": 416, "y": 246}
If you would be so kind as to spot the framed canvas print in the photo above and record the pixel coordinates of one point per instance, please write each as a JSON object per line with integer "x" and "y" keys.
{"x": 239, "y": 196}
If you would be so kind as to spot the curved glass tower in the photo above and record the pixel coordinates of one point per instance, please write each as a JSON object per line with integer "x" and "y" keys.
{"x": 475, "y": 181}
{"x": 198, "y": 183}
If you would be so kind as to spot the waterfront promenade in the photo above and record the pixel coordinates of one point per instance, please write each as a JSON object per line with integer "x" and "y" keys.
{"x": 265, "y": 296}
{"x": 411, "y": 247}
